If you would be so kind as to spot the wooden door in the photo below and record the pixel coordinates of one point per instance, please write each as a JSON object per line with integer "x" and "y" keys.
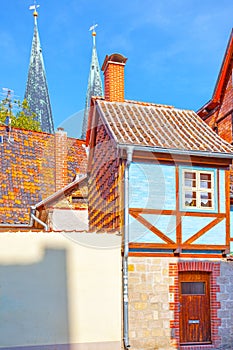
{"x": 194, "y": 289}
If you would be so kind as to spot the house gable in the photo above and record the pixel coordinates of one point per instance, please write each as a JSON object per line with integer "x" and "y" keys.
{"x": 217, "y": 113}
{"x": 163, "y": 141}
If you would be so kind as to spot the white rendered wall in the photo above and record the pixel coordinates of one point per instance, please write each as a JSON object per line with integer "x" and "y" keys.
{"x": 59, "y": 289}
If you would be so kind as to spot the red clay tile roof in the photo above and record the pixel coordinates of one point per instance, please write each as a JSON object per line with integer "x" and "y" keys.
{"x": 27, "y": 165}
{"x": 76, "y": 158}
{"x": 59, "y": 195}
{"x": 158, "y": 126}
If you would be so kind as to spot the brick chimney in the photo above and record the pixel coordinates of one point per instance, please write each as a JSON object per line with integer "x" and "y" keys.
{"x": 113, "y": 68}
{"x": 61, "y": 150}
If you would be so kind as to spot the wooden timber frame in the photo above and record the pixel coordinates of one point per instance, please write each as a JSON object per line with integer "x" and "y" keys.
{"x": 178, "y": 247}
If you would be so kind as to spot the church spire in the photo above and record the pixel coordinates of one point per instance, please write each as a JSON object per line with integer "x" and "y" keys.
{"x": 36, "y": 93}
{"x": 94, "y": 87}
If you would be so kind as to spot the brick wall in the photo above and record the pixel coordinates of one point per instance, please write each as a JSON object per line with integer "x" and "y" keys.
{"x": 225, "y": 128}
{"x": 222, "y": 119}
{"x": 61, "y": 150}
{"x": 226, "y": 107}
{"x": 227, "y": 99}
{"x": 114, "y": 83}
{"x": 211, "y": 121}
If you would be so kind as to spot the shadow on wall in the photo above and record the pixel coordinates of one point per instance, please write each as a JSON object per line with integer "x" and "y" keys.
{"x": 34, "y": 304}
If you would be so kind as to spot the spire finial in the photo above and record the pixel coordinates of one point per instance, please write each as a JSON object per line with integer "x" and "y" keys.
{"x": 34, "y": 7}
{"x": 92, "y": 29}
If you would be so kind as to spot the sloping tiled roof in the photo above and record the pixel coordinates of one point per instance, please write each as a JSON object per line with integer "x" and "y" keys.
{"x": 63, "y": 192}
{"x": 76, "y": 158}
{"x": 49, "y": 209}
{"x": 160, "y": 126}
{"x": 27, "y": 163}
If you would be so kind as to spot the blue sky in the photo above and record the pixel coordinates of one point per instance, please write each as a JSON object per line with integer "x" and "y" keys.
{"x": 174, "y": 48}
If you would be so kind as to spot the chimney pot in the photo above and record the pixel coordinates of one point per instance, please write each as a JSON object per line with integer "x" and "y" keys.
{"x": 60, "y": 129}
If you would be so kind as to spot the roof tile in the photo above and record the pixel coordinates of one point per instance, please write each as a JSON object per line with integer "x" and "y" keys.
{"x": 151, "y": 125}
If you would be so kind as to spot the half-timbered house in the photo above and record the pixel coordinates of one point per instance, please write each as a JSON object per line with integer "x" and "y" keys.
{"x": 160, "y": 176}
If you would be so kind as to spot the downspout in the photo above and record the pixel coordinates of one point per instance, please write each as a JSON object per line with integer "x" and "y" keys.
{"x": 126, "y": 249}
{"x": 33, "y": 217}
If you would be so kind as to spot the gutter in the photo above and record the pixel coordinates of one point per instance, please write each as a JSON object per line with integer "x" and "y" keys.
{"x": 129, "y": 151}
{"x": 30, "y": 225}
{"x": 177, "y": 151}
{"x": 60, "y": 192}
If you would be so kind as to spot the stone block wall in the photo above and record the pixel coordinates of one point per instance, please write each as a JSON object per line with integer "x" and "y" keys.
{"x": 225, "y": 297}
{"x": 154, "y": 299}
{"x": 149, "y": 313}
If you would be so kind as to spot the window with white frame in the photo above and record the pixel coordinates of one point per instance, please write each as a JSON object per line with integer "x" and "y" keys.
{"x": 198, "y": 189}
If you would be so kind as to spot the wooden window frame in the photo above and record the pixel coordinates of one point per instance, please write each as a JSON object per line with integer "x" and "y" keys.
{"x": 198, "y": 189}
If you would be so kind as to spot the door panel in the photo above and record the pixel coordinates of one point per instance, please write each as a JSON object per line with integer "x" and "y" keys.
{"x": 194, "y": 288}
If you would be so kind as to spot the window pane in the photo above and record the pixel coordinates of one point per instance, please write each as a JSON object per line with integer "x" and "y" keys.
{"x": 190, "y": 179}
{"x": 193, "y": 288}
{"x": 190, "y": 199}
{"x": 205, "y": 180}
{"x": 206, "y": 177}
{"x": 189, "y": 175}
{"x": 205, "y": 184}
{"x": 206, "y": 199}
{"x": 190, "y": 183}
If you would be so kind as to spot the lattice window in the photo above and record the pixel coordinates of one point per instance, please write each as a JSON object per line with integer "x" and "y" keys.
{"x": 197, "y": 189}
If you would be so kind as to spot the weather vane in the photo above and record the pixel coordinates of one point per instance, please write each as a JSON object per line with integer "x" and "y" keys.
{"x": 34, "y": 7}
{"x": 92, "y": 28}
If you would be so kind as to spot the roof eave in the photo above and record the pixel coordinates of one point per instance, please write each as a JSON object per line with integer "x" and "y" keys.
{"x": 57, "y": 195}
{"x": 223, "y": 70}
{"x": 177, "y": 151}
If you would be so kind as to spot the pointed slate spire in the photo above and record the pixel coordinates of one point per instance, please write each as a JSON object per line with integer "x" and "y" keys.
{"x": 36, "y": 93}
{"x": 94, "y": 82}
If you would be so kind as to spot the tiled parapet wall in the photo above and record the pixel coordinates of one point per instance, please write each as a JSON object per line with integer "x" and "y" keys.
{"x": 105, "y": 184}
{"x": 149, "y": 313}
